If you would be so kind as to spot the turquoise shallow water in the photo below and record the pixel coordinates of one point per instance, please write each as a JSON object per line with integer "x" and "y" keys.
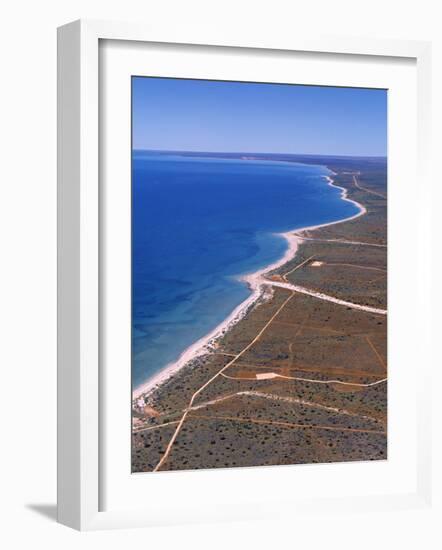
{"x": 198, "y": 223}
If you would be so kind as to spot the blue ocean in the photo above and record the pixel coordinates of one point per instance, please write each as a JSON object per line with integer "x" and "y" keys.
{"x": 198, "y": 223}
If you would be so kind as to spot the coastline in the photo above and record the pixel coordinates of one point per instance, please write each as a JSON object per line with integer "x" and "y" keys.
{"x": 256, "y": 282}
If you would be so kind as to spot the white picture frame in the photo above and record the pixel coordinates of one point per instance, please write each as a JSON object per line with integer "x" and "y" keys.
{"x": 79, "y": 268}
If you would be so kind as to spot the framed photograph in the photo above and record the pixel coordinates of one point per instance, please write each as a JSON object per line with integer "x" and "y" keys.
{"x": 232, "y": 243}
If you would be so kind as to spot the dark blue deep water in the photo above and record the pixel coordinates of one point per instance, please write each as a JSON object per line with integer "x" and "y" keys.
{"x": 197, "y": 223}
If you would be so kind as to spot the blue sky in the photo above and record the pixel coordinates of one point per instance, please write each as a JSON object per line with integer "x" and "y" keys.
{"x": 204, "y": 115}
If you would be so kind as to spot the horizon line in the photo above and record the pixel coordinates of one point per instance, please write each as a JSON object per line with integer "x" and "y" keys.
{"x": 258, "y": 153}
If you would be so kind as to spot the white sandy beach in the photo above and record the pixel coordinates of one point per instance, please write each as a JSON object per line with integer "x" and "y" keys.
{"x": 257, "y": 284}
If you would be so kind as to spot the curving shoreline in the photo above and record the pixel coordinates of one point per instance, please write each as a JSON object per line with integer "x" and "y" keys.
{"x": 257, "y": 284}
